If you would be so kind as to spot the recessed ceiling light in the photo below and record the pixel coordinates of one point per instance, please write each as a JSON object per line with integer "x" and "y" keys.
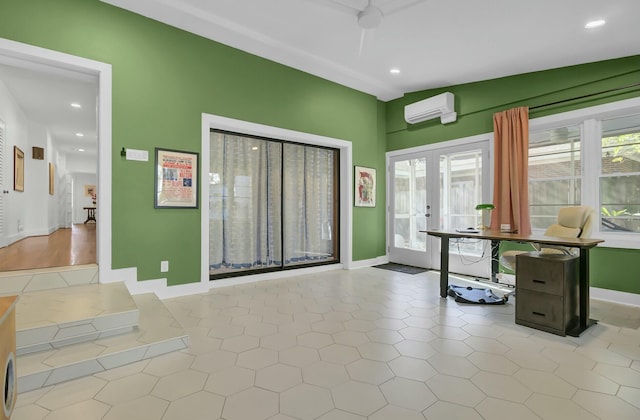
{"x": 76, "y": 105}
{"x": 79, "y": 134}
{"x": 80, "y": 150}
{"x": 595, "y": 24}
{"x": 394, "y": 71}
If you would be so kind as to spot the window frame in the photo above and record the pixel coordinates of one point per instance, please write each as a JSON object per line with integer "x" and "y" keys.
{"x": 572, "y": 179}
{"x": 589, "y": 120}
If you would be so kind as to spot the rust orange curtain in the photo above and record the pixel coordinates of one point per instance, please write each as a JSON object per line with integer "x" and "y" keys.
{"x": 511, "y": 170}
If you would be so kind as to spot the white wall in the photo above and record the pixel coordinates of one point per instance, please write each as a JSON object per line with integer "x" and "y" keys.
{"x": 79, "y": 199}
{"x": 83, "y": 170}
{"x": 36, "y": 184}
{"x": 81, "y": 164}
{"x": 34, "y": 211}
{"x": 16, "y": 133}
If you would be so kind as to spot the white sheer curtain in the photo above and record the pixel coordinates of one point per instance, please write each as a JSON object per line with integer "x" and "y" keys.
{"x": 248, "y": 194}
{"x": 244, "y": 204}
{"x": 309, "y": 203}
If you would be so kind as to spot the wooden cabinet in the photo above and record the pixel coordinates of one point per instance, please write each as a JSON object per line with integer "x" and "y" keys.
{"x": 8, "y": 385}
{"x": 547, "y": 295}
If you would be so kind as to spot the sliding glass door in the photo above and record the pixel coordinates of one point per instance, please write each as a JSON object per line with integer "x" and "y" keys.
{"x": 272, "y": 205}
{"x": 310, "y": 200}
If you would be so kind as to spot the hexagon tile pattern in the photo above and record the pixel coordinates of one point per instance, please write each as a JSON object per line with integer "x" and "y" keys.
{"x": 362, "y": 344}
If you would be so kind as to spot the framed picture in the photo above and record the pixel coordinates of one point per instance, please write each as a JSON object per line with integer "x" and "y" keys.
{"x": 18, "y": 169}
{"x": 37, "y": 153}
{"x": 365, "y": 187}
{"x": 52, "y": 178}
{"x": 176, "y": 181}
{"x": 89, "y": 190}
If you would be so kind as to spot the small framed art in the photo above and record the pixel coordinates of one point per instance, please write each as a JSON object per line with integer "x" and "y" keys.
{"x": 364, "y": 187}
{"x": 176, "y": 181}
{"x": 18, "y": 169}
{"x": 52, "y": 178}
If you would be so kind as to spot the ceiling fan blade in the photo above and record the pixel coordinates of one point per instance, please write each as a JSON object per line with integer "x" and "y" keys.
{"x": 398, "y": 5}
{"x": 363, "y": 33}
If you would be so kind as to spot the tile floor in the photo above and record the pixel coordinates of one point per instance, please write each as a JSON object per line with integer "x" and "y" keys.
{"x": 361, "y": 344}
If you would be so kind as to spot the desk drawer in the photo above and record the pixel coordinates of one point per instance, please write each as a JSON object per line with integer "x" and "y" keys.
{"x": 546, "y": 273}
{"x": 540, "y": 308}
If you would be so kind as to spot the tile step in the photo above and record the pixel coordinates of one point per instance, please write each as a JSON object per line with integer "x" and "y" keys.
{"x": 156, "y": 333}
{"x": 22, "y": 281}
{"x": 59, "y": 317}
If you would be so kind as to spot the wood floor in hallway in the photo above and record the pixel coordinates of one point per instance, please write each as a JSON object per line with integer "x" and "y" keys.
{"x": 64, "y": 247}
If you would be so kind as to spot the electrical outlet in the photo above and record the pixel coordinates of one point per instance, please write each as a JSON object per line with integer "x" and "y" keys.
{"x": 164, "y": 266}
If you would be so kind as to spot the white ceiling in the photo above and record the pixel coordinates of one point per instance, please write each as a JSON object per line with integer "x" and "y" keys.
{"x": 45, "y": 93}
{"x": 434, "y": 43}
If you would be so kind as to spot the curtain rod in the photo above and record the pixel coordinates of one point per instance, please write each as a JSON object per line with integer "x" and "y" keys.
{"x": 585, "y": 96}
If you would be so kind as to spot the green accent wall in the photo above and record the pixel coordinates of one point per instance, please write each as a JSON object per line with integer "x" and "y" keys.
{"x": 610, "y": 268}
{"x": 370, "y": 223}
{"x": 163, "y": 80}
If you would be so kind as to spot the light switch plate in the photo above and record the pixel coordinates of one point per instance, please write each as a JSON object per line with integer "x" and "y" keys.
{"x": 135, "y": 154}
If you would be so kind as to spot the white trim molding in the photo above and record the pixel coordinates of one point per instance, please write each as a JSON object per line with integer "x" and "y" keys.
{"x": 623, "y": 298}
{"x": 210, "y": 121}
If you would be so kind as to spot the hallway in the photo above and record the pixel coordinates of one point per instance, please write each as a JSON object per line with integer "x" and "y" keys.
{"x": 64, "y": 247}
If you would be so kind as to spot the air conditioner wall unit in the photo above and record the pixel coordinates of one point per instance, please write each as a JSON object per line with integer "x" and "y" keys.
{"x": 434, "y": 107}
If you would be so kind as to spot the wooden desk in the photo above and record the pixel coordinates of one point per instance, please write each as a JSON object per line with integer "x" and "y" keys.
{"x": 91, "y": 214}
{"x": 8, "y": 377}
{"x": 584, "y": 244}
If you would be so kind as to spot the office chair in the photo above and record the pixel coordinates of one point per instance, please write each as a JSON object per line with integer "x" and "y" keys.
{"x": 573, "y": 222}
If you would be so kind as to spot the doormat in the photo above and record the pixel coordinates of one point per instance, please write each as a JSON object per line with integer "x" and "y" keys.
{"x": 407, "y": 269}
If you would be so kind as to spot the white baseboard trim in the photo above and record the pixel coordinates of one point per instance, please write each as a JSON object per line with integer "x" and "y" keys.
{"x": 127, "y": 275}
{"x": 15, "y": 238}
{"x": 29, "y": 233}
{"x": 160, "y": 288}
{"x": 163, "y": 291}
{"x": 614, "y": 296}
{"x": 369, "y": 263}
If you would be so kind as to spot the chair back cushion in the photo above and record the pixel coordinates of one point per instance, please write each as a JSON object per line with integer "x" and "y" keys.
{"x": 562, "y": 231}
{"x": 573, "y": 222}
{"x": 572, "y": 217}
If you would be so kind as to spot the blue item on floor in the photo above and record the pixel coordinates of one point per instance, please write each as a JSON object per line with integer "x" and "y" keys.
{"x": 475, "y": 295}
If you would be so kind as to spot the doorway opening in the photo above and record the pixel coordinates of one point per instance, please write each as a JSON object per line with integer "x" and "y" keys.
{"x": 50, "y": 115}
{"x": 438, "y": 187}
{"x": 53, "y": 167}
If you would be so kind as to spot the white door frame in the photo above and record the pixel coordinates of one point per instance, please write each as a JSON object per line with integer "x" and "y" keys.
{"x": 345, "y": 147}
{"x": 402, "y": 255}
{"x": 432, "y": 254}
{"x": 3, "y": 186}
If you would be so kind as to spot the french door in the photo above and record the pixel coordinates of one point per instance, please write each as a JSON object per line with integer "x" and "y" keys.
{"x": 409, "y": 209}
{"x": 438, "y": 188}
